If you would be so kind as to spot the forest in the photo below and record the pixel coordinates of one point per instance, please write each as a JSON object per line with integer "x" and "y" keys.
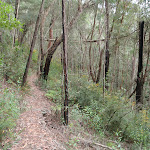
{"x": 75, "y": 74}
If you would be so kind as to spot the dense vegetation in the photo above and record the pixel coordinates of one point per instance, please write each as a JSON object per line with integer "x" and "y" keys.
{"x": 102, "y": 92}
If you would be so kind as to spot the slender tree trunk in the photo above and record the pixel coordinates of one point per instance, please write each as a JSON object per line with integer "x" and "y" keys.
{"x": 22, "y": 35}
{"x": 32, "y": 44}
{"x": 133, "y": 67}
{"x": 100, "y": 66}
{"x": 16, "y": 8}
{"x": 40, "y": 72}
{"x": 41, "y": 49}
{"x": 38, "y": 63}
{"x": 16, "y": 16}
{"x": 65, "y": 62}
{"x": 90, "y": 49}
{"x": 107, "y": 45}
{"x": 118, "y": 69}
{"x": 139, "y": 87}
{"x": 50, "y": 36}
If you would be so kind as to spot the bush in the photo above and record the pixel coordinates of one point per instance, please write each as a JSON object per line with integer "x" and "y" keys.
{"x": 112, "y": 114}
{"x": 53, "y": 84}
{"x": 9, "y": 112}
{"x": 13, "y": 62}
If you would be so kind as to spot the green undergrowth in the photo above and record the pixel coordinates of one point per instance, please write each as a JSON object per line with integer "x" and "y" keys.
{"x": 106, "y": 114}
{"x": 13, "y": 61}
{"x": 9, "y": 112}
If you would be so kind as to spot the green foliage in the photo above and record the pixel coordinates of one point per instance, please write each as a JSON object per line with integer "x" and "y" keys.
{"x": 82, "y": 91}
{"x": 13, "y": 62}
{"x": 113, "y": 114}
{"x": 9, "y": 111}
{"x": 53, "y": 85}
{"x": 7, "y": 19}
{"x": 34, "y": 59}
{"x": 73, "y": 142}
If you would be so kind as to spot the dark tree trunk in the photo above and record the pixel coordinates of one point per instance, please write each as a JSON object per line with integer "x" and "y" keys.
{"x": 107, "y": 45}
{"x": 139, "y": 87}
{"x": 16, "y": 8}
{"x": 41, "y": 48}
{"x": 48, "y": 59}
{"x": 51, "y": 51}
{"x": 32, "y": 44}
{"x": 65, "y": 62}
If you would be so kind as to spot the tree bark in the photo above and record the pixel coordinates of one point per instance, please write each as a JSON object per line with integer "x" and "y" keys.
{"x": 139, "y": 86}
{"x": 100, "y": 66}
{"x": 16, "y": 8}
{"x": 16, "y": 16}
{"x": 65, "y": 62}
{"x": 90, "y": 48}
{"x": 41, "y": 62}
{"x": 107, "y": 45}
{"x": 32, "y": 44}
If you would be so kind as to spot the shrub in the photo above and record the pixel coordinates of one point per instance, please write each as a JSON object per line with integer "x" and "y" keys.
{"x": 112, "y": 114}
{"x": 9, "y": 112}
{"x": 12, "y": 62}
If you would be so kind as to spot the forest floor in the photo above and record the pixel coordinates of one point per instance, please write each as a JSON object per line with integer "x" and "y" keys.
{"x": 38, "y": 127}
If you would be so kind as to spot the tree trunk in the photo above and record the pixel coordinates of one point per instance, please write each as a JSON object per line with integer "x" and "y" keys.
{"x": 16, "y": 16}
{"x": 32, "y": 44}
{"x": 65, "y": 62}
{"x": 16, "y": 8}
{"x": 107, "y": 45}
{"x": 41, "y": 49}
{"x": 41, "y": 62}
{"x": 51, "y": 51}
{"x": 100, "y": 66}
{"x": 139, "y": 87}
{"x": 22, "y": 35}
{"x": 50, "y": 36}
{"x": 90, "y": 48}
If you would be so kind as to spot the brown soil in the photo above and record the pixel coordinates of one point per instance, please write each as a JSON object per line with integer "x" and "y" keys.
{"x": 39, "y": 127}
{"x": 35, "y": 134}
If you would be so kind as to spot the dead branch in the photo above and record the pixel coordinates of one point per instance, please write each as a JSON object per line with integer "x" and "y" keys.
{"x": 91, "y": 143}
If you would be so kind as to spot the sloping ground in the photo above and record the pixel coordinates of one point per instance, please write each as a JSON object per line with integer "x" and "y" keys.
{"x": 39, "y": 128}
{"x": 34, "y": 133}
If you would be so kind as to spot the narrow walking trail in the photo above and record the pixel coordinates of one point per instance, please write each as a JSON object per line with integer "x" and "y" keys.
{"x": 39, "y": 127}
{"x": 32, "y": 130}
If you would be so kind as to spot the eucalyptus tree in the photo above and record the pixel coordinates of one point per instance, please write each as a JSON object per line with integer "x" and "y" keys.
{"x": 107, "y": 43}
{"x": 140, "y": 82}
{"x": 32, "y": 44}
{"x": 64, "y": 27}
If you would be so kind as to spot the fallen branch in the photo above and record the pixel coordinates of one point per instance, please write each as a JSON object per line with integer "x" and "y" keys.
{"x": 92, "y": 143}
{"x": 104, "y": 146}
{"x": 132, "y": 93}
